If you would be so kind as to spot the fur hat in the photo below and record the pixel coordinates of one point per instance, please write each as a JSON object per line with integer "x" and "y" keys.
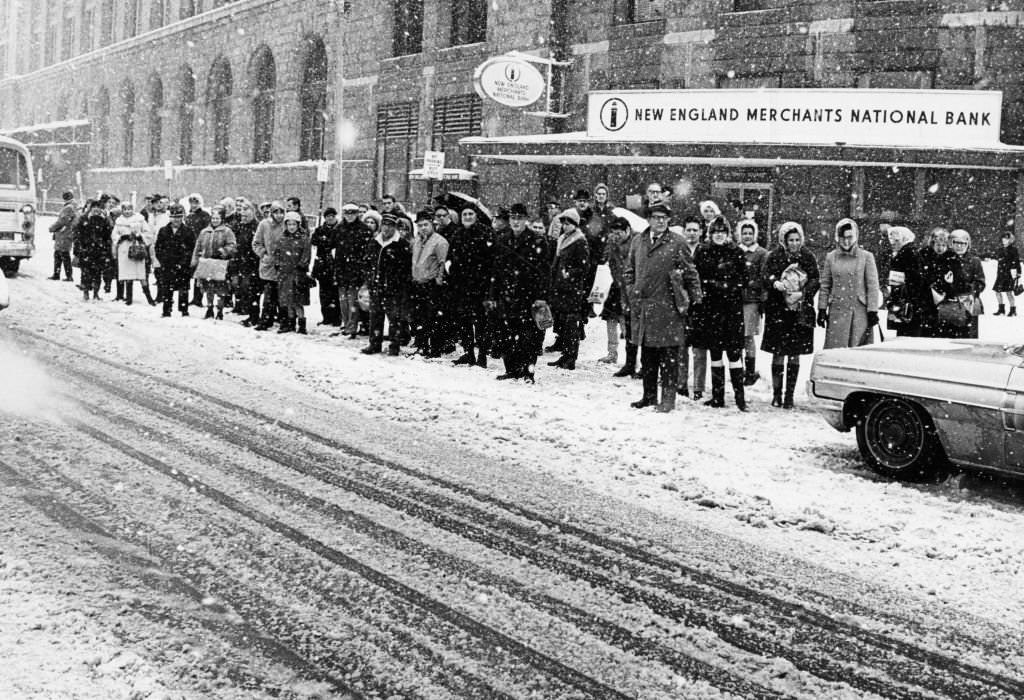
{"x": 570, "y": 214}
{"x": 847, "y": 224}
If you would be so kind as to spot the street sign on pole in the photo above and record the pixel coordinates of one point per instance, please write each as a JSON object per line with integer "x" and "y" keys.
{"x": 323, "y": 170}
{"x": 433, "y": 165}
{"x": 168, "y": 170}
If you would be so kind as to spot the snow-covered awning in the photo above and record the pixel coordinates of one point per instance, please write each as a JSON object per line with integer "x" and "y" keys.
{"x": 576, "y": 148}
{"x": 446, "y": 174}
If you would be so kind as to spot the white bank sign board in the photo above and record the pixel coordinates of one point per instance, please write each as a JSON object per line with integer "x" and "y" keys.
{"x": 917, "y": 118}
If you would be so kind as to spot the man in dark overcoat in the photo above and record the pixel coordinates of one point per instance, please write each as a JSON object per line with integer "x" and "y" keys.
{"x": 174, "y": 245}
{"x": 351, "y": 240}
{"x": 570, "y": 286}
{"x": 661, "y": 281}
{"x": 520, "y": 279}
{"x": 471, "y": 257}
{"x": 389, "y": 275}
{"x": 323, "y": 267}
{"x": 63, "y": 230}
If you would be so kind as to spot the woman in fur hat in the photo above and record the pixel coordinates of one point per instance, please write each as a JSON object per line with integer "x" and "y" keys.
{"x": 791, "y": 280}
{"x": 849, "y": 291}
{"x": 909, "y": 303}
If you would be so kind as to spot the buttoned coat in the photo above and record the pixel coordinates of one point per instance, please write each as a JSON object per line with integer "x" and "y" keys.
{"x": 849, "y": 289}
{"x": 654, "y": 319}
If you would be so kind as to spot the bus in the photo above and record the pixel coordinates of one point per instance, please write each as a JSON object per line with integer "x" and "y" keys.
{"x": 17, "y": 205}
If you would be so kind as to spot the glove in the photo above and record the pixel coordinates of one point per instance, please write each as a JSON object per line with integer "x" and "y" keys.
{"x": 872, "y": 319}
{"x": 823, "y": 317}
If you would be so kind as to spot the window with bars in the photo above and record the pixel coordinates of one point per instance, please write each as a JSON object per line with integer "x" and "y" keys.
{"x": 67, "y": 39}
{"x": 263, "y": 107}
{"x": 408, "y": 27}
{"x": 632, "y": 11}
{"x": 103, "y": 127}
{"x": 156, "y": 14}
{"x": 397, "y": 126}
{"x": 131, "y": 18}
{"x": 186, "y": 117}
{"x": 156, "y": 120}
{"x": 469, "y": 22}
{"x": 186, "y": 9}
{"x": 128, "y": 124}
{"x": 88, "y": 18}
{"x": 454, "y": 118}
{"x": 219, "y": 99}
{"x": 107, "y": 23}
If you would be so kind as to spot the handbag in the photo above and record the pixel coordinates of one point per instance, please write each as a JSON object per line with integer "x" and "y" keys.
{"x": 213, "y": 269}
{"x": 542, "y": 315}
{"x": 952, "y": 312}
{"x": 972, "y": 304}
{"x": 307, "y": 282}
{"x": 900, "y": 310}
{"x": 137, "y": 250}
{"x": 1018, "y": 288}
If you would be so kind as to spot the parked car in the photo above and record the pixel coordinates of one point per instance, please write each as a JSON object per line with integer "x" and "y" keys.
{"x": 921, "y": 405}
{"x": 5, "y": 297}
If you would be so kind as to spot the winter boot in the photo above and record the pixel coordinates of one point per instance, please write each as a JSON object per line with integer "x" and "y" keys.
{"x": 220, "y": 313}
{"x": 613, "y": 343}
{"x": 287, "y": 325}
{"x": 209, "y": 312}
{"x": 1001, "y": 311}
{"x": 302, "y": 327}
{"x": 752, "y": 375}
{"x": 629, "y": 368}
{"x": 792, "y": 370}
{"x": 668, "y": 398}
{"x": 467, "y": 358}
{"x": 1013, "y": 311}
{"x": 777, "y": 373}
{"x": 736, "y": 377}
{"x": 148, "y": 294}
{"x": 717, "y": 399}
{"x": 650, "y": 396}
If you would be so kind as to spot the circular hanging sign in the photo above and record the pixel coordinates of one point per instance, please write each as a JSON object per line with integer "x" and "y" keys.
{"x": 512, "y": 82}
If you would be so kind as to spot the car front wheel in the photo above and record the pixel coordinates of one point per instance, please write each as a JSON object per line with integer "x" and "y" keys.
{"x": 896, "y": 438}
{"x": 9, "y": 266}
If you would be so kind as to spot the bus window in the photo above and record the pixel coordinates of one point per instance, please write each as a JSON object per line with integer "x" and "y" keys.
{"x": 13, "y": 169}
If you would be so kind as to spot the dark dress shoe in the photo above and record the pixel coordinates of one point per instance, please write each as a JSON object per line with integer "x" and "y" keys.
{"x": 482, "y": 361}
{"x": 568, "y": 364}
{"x": 698, "y": 395}
{"x": 557, "y": 363}
{"x": 683, "y": 391}
{"x": 624, "y": 372}
{"x": 466, "y": 359}
{"x": 393, "y": 351}
{"x": 54, "y": 277}
{"x": 370, "y": 350}
{"x": 165, "y": 314}
{"x": 220, "y": 315}
{"x": 184, "y": 312}
{"x": 508, "y": 375}
{"x": 209, "y": 312}
{"x": 554, "y": 347}
{"x": 643, "y": 403}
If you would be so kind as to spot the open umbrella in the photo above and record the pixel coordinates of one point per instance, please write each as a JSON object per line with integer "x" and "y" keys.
{"x": 636, "y": 222}
{"x": 457, "y": 201}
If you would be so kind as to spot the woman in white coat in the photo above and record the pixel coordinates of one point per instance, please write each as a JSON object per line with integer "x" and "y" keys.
{"x": 131, "y": 242}
{"x": 849, "y": 293}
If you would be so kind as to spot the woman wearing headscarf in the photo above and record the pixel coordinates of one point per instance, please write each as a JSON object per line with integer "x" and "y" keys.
{"x": 709, "y": 211}
{"x": 291, "y": 258}
{"x": 130, "y": 245}
{"x": 909, "y": 305}
{"x": 722, "y": 268}
{"x": 849, "y": 293}
{"x": 568, "y": 288}
{"x": 974, "y": 274}
{"x": 944, "y": 281}
{"x": 216, "y": 241}
{"x": 753, "y": 295}
{"x": 614, "y": 311}
{"x": 791, "y": 280}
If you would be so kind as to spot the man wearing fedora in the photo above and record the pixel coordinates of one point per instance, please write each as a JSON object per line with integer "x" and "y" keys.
{"x": 662, "y": 282}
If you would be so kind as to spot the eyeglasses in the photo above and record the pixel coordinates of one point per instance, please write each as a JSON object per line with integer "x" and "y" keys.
{"x": 277, "y": 211}
{"x": 959, "y": 242}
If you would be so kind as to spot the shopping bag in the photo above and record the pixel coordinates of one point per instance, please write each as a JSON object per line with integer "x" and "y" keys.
{"x": 211, "y": 269}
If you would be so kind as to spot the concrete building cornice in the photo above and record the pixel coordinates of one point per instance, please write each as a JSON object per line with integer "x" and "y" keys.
{"x": 139, "y": 40}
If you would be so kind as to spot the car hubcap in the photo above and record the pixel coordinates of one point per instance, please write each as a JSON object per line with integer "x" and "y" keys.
{"x": 895, "y": 434}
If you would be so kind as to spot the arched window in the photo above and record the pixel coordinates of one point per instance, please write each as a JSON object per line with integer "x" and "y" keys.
{"x": 218, "y": 100}
{"x": 187, "y": 9}
{"x": 156, "y": 119}
{"x": 103, "y": 127}
{"x": 128, "y": 122}
{"x": 186, "y": 114}
{"x": 263, "y": 77}
{"x": 313, "y": 101}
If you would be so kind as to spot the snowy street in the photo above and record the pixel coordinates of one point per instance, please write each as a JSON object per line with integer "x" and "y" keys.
{"x": 197, "y": 510}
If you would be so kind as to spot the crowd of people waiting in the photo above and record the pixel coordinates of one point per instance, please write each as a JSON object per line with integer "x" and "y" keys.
{"x": 685, "y": 292}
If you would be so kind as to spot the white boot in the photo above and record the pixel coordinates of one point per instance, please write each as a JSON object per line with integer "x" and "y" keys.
{"x": 613, "y": 342}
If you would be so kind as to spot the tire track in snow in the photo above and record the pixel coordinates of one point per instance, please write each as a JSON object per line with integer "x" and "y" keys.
{"x": 957, "y": 679}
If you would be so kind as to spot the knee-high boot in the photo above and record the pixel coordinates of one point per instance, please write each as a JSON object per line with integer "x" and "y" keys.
{"x": 737, "y": 379}
{"x": 792, "y": 370}
{"x": 629, "y": 368}
{"x": 717, "y": 387}
{"x": 777, "y": 372}
{"x": 613, "y": 342}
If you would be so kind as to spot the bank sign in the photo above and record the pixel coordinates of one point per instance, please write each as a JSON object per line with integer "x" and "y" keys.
{"x": 918, "y": 118}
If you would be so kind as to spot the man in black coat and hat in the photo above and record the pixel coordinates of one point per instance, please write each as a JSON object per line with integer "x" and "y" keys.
{"x": 323, "y": 267}
{"x": 471, "y": 254}
{"x": 521, "y": 273}
{"x": 388, "y": 278}
{"x": 173, "y": 248}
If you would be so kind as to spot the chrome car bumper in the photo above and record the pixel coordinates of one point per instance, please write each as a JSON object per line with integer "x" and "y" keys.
{"x": 830, "y": 409}
{"x": 16, "y": 249}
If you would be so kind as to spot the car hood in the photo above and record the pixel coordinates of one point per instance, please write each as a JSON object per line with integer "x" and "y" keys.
{"x": 972, "y": 362}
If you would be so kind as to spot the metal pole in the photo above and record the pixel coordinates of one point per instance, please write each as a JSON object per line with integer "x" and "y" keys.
{"x": 339, "y": 103}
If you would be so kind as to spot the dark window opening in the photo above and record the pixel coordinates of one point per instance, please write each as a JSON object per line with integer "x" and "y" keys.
{"x": 313, "y": 103}
{"x": 469, "y": 22}
{"x": 397, "y": 125}
{"x": 454, "y": 118}
{"x": 128, "y": 123}
{"x": 186, "y": 116}
{"x": 156, "y": 120}
{"x": 265, "y": 81}
{"x": 218, "y": 97}
{"x": 632, "y": 11}
{"x": 408, "y": 27}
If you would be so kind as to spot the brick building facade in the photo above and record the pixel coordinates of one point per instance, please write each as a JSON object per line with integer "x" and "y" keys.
{"x": 244, "y": 96}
